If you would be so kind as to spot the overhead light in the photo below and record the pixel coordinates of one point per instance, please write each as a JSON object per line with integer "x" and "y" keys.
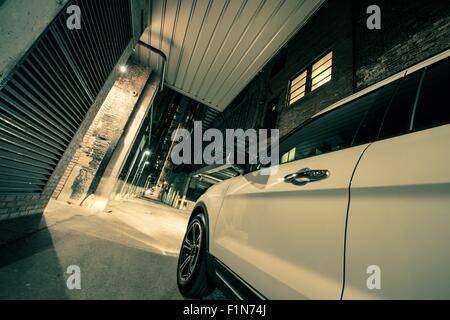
{"x": 123, "y": 68}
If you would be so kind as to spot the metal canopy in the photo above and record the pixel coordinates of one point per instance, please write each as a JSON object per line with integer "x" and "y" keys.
{"x": 215, "y": 48}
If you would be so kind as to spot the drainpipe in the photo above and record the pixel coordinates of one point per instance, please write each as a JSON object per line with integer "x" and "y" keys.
{"x": 162, "y": 55}
{"x": 163, "y": 75}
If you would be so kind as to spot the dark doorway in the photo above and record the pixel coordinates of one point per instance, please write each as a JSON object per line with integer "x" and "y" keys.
{"x": 270, "y": 120}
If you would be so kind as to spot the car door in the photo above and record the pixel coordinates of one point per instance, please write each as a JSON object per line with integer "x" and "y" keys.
{"x": 399, "y": 216}
{"x": 283, "y": 236}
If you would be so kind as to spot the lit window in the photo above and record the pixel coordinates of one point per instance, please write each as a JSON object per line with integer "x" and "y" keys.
{"x": 289, "y": 156}
{"x": 298, "y": 87}
{"x": 321, "y": 71}
{"x": 313, "y": 77}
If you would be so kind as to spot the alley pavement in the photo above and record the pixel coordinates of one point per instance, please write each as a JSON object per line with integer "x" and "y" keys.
{"x": 128, "y": 251}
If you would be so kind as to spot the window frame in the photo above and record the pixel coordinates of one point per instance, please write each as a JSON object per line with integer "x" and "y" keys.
{"x": 413, "y": 114}
{"x": 290, "y": 86}
{"x": 308, "y": 83}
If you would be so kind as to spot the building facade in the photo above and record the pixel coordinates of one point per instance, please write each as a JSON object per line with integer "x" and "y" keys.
{"x": 410, "y": 32}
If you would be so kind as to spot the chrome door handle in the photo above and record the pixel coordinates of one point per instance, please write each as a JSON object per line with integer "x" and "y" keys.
{"x": 306, "y": 175}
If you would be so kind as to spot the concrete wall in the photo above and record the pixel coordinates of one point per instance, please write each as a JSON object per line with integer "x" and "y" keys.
{"x": 21, "y": 23}
{"x": 86, "y": 168}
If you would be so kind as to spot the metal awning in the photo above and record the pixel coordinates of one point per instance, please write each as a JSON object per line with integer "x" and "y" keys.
{"x": 215, "y": 48}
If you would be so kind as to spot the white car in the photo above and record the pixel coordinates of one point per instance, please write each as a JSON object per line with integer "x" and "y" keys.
{"x": 359, "y": 208}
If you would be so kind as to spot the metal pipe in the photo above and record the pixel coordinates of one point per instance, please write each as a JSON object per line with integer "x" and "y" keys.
{"x": 162, "y": 55}
{"x": 163, "y": 75}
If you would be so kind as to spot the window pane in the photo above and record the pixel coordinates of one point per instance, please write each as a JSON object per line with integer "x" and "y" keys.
{"x": 398, "y": 117}
{"x": 288, "y": 156}
{"x": 296, "y": 98}
{"x": 331, "y": 132}
{"x": 320, "y": 77}
{"x": 285, "y": 158}
{"x": 298, "y": 85}
{"x": 433, "y": 107}
{"x": 368, "y": 131}
{"x": 297, "y": 88}
{"x": 297, "y": 92}
{"x": 322, "y": 68}
{"x": 325, "y": 59}
{"x": 292, "y": 154}
{"x": 322, "y": 71}
{"x": 299, "y": 78}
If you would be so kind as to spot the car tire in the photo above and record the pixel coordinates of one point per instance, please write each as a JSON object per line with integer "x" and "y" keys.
{"x": 192, "y": 275}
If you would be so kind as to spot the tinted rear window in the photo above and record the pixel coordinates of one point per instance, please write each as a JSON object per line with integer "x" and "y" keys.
{"x": 433, "y": 107}
{"x": 398, "y": 117}
{"x": 331, "y": 132}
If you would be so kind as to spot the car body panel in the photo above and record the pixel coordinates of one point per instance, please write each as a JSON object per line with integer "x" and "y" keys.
{"x": 286, "y": 240}
{"x": 211, "y": 202}
{"x": 289, "y": 242}
{"x": 399, "y": 218}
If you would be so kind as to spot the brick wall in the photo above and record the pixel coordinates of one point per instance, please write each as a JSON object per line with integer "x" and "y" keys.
{"x": 411, "y": 31}
{"x": 329, "y": 29}
{"x": 84, "y": 170}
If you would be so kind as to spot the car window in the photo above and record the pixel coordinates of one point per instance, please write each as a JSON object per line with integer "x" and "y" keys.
{"x": 398, "y": 118}
{"x": 433, "y": 107}
{"x": 288, "y": 156}
{"x": 331, "y": 132}
{"x": 370, "y": 127}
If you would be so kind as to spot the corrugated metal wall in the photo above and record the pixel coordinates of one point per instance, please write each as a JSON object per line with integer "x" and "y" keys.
{"x": 48, "y": 95}
{"x": 214, "y": 48}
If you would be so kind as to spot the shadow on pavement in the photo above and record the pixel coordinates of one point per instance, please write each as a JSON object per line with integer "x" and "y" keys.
{"x": 28, "y": 262}
{"x": 130, "y": 253}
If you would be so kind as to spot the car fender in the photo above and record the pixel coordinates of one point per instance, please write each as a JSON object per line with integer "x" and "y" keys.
{"x": 210, "y": 203}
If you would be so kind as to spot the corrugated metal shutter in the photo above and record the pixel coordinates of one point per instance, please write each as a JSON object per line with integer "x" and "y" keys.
{"x": 47, "y": 97}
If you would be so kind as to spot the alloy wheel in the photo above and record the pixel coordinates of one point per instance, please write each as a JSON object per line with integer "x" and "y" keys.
{"x": 190, "y": 251}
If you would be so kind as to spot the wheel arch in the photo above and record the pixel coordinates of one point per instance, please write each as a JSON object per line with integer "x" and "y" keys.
{"x": 200, "y": 207}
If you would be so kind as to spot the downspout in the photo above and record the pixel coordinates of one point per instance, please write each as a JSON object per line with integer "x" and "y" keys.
{"x": 163, "y": 75}
{"x": 162, "y": 55}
